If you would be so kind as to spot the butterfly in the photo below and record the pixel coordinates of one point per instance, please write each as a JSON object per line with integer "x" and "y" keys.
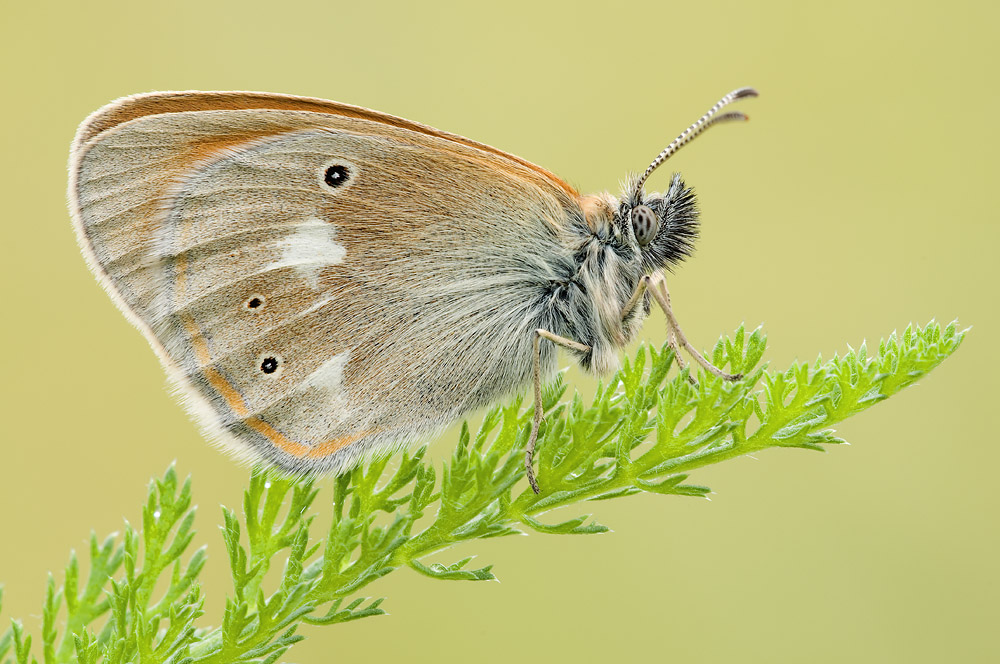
{"x": 323, "y": 282}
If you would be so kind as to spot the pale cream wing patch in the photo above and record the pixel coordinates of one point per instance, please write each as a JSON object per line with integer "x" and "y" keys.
{"x": 281, "y": 304}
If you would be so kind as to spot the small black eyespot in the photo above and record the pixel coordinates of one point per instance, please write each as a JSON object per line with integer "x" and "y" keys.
{"x": 269, "y": 365}
{"x": 336, "y": 175}
{"x": 254, "y": 303}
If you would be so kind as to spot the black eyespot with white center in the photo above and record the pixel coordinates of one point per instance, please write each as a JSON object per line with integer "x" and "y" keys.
{"x": 269, "y": 365}
{"x": 645, "y": 224}
{"x": 336, "y": 176}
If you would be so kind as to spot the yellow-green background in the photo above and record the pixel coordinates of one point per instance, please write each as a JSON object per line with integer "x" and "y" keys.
{"x": 861, "y": 196}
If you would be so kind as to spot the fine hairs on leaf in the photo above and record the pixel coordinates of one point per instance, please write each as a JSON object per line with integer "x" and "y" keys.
{"x": 643, "y": 431}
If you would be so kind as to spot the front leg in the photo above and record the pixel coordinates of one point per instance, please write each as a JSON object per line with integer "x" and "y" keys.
{"x": 648, "y": 282}
{"x": 529, "y": 452}
{"x": 657, "y": 287}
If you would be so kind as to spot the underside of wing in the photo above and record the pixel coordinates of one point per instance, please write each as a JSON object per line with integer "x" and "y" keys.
{"x": 321, "y": 281}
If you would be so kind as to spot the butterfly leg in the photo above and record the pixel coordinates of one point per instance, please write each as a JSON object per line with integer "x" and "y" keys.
{"x": 647, "y": 282}
{"x": 529, "y": 452}
{"x": 658, "y": 289}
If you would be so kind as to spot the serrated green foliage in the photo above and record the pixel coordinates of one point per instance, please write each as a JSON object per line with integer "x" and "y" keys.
{"x": 643, "y": 432}
{"x": 6, "y": 637}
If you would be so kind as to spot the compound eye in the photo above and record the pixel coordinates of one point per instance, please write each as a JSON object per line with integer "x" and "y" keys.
{"x": 645, "y": 224}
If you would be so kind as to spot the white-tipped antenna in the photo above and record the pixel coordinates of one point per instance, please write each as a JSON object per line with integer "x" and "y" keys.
{"x": 710, "y": 118}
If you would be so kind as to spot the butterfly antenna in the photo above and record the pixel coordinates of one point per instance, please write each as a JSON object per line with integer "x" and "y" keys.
{"x": 710, "y": 118}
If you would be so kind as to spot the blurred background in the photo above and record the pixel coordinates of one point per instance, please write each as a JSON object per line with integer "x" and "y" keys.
{"x": 860, "y": 197}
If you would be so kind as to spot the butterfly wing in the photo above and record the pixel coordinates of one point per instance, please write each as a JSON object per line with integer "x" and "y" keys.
{"x": 320, "y": 281}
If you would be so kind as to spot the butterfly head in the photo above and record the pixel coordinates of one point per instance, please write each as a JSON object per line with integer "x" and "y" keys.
{"x": 662, "y": 227}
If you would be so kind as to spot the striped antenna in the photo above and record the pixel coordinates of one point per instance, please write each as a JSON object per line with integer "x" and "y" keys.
{"x": 710, "y": 118}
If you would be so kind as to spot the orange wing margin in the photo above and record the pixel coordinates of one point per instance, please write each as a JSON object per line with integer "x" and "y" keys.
{"x": 156, "y": 103}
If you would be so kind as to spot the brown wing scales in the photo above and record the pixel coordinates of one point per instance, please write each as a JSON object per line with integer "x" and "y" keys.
{"x": 189, "y": 216}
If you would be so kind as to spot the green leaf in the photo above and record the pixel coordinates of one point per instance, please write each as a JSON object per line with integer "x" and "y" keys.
{"x": 645, "y": 431}
{"x": 575, "y": 526}
{"x": 454, "y": 572}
